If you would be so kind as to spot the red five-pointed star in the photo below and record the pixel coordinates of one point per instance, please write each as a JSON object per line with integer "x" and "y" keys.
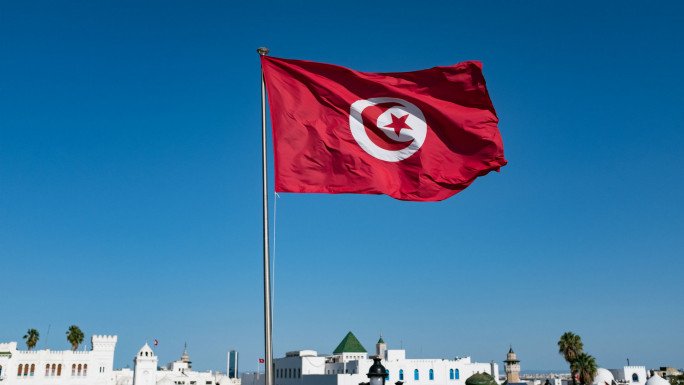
{"x": 398, "y": 123}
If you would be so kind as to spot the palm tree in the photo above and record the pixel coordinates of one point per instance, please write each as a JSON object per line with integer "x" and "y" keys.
{"x": 74, "y": 336}
{"x": 31, "y": 338}
{"x": 585, "y": 366}
{"x": 570, "y": 346}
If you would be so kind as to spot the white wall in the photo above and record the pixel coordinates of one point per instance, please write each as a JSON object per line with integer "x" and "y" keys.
{"x": 96, "y": 364}
{"x": 625, "y": 374}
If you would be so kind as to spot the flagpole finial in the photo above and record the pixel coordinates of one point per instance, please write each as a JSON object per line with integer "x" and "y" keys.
{"x": 263, "y": 51}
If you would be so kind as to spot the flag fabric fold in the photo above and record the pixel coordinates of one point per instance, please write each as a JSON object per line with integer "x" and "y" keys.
{"x": 417, "y": 136}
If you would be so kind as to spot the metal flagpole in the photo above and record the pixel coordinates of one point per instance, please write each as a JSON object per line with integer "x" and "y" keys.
{"x": 268, "y": 330}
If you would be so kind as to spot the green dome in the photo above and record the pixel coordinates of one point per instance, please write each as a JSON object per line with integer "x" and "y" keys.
{"x": 480, "y": 379}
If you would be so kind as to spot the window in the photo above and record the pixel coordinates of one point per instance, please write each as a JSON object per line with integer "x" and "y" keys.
{"x": 401, "y": 374}
{"x": 73, "y": 369}
{"x": 451, "y": 374}
{"x": 53, "y": 370}
{"x": 416, "y": 375}
{"x": 59, "y": 369}
{"x": 26, "y": 368}
{"x": 0, "y": 370}
{"x": 432, "y": 375}
{"x": 19, "y": 370}
{"x": 456, "y": 374}
{"x": 33, "y": 370}
{"x": 85, "y": 369}
{"x": 635, "y": 377}
{"x": 47, "y": 370}
{"x": 79, "y": 369}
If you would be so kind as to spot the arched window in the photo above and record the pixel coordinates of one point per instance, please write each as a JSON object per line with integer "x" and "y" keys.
{"x": 19, "y": 370}
{"x": 140, "y": 354}
{"x": 73, "y": 369}
{"x": 26, "y": 368}
{"x": 401, "y": 374}
{"x": 456, "y": 374}
{"x": 416, "y": 375}
{"x": 47, "y": 370}
{"x": 145, "y": 354}
{"x": 451, "y": 374}
{"x": 85, "y": 369}
{"x": 79, "y": 369}
{"x": 33, "y": 370}
{"x": 635, "y": 377}
{"x": 432, "y": 375}
{"x": 53, "y": 369}
{"x": 59, "y": 369}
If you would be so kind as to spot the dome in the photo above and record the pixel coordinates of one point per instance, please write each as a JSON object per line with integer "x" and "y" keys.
{"x": 657, "y": 380}
{"x": 480, "y": 379}
{"x": 603, "y": 377}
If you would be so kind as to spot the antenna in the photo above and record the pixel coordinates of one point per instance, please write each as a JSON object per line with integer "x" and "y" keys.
{"x": 47, "y": 338}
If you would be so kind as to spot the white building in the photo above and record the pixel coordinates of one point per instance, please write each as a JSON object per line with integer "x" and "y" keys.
{"x": 95, "y": 367}
{"x": 633, "y": 375}
{"x": 349, "y": 364}
{"x": 627, "y": 375}
{"x": 40, "y": 367}
{"x": 146, "y": 372}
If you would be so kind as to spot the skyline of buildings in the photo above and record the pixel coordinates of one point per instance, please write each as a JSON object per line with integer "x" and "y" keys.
{"x": 347, "y": 365}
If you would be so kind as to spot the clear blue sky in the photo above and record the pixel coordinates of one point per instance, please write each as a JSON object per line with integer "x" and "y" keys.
{"x": 130, "y": 183}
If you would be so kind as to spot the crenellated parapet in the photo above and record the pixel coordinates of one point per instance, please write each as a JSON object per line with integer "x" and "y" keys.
{"x": 103, "y": 342}
{"x": 27, "y": 353}
{"x": 8, "y": 346}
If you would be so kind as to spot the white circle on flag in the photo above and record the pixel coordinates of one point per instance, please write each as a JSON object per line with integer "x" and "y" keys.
{"x": 402, "y": 123}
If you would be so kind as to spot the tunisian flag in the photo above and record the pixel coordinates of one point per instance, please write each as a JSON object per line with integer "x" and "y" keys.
{"x": 417, "y": 136}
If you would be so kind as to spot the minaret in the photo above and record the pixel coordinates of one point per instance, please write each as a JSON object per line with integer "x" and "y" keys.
{"x": 185, "y": 357}
{"x": 512, "y": 367}
{"x": 381, "y": 348}
{"x": 145, "y": 368}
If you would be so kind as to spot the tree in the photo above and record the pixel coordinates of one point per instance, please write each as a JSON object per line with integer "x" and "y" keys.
{"x": 74, "y": 336}
{"x": 677, "y": 380}
{"x": 585, "y": 366}
{"x": 31, "y": 338}
{"x": 570, "y": 346}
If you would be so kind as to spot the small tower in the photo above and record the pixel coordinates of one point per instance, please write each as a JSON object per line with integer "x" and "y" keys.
{"x": 512, "y": 367}
{"x": 145, "y": 368}
{"x": 381, "y": 348}
{"x": 185, "y": 357}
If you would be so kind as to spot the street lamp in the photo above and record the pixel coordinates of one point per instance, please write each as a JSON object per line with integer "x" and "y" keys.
{"x": 377, "y": 372}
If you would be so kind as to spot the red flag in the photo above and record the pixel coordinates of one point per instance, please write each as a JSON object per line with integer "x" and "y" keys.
{"x": 261, "y": 360}
{"x": 155, "y": 342}
{"x": 419, "y": 136}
